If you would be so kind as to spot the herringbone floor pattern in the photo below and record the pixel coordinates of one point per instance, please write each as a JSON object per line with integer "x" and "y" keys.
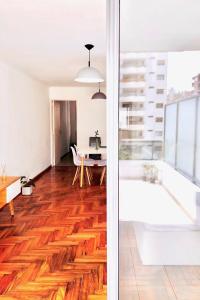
{"x": 55, "y": 247}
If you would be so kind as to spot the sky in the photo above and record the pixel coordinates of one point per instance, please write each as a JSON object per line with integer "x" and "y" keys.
{"x": 182, "y": 66}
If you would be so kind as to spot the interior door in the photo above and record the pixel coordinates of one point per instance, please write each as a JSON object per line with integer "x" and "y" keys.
{"x": 57, "y": 132}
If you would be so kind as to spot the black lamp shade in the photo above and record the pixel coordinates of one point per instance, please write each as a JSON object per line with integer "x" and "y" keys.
{"x": 99, "y": 95}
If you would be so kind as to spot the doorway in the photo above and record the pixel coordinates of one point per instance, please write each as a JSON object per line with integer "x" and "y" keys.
{"x": 64, "y": 117}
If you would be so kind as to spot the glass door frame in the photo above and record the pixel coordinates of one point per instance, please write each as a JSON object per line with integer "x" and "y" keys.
{"x": 112, "y": 146}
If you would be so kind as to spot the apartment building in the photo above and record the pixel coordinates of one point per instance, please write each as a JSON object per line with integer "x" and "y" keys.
{"x": 142, "y": 100}
{"x": 174, "y": 96}
{"x": 196, "y": 83}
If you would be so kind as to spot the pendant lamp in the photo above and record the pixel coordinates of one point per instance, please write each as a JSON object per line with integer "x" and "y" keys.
{"x": 89, "y": 74}
{"x": 99, "y": 95}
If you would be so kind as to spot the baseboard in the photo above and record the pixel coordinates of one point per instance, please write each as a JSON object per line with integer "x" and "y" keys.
{"x": 42, "y": 173}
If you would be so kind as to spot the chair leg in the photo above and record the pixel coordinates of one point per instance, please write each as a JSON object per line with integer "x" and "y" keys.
{"x": 102, "y": 175}
{"x": 76, "y": 175}
{"x": 88, "y": 175}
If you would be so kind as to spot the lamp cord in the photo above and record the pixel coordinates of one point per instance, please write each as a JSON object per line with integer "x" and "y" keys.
{"x": 89, "y": 59}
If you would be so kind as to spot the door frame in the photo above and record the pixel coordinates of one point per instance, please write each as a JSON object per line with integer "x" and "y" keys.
{"x": 112, "y": 146}
{"x": 52, "y": 127}
{"x": 52, "y": 132}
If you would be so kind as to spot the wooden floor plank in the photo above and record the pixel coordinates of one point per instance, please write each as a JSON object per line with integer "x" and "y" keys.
{"x": 55, "y": 247}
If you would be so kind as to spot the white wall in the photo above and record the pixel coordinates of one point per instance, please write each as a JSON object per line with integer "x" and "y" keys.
{"x": 24, "y": 123}
{"x": 91, "y": 114}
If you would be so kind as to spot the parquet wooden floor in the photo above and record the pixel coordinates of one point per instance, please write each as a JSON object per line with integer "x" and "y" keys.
{"x": 55, "y": 247}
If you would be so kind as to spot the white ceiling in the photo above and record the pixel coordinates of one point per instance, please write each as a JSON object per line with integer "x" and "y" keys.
{"x": 160, "y": 25}
{"x": 46, "y": 38}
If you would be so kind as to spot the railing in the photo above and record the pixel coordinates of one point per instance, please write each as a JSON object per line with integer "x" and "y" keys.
{"x": 140, "y": 150}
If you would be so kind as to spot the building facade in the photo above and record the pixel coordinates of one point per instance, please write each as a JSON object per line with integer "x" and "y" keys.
{"x": 143, "y": 78}
{"x": 196, "y": 84}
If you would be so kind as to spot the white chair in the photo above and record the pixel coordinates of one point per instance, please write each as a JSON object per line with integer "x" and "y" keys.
{"x": 88, "y": 169}
{"x": 76, "y": 148}
{"x": 77, "y": 162}
{"x": 102, "y": 163}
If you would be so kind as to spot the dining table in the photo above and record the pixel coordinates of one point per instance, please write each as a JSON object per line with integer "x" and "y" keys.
{"x": 84, "y": 152}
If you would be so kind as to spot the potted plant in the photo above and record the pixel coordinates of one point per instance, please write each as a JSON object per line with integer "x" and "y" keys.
{"x": 27, "y": 185}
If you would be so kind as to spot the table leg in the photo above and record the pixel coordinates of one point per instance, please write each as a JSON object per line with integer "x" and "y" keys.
{"x": 82, "y": 171}
{"x": 102, "y": 175}
{"x": 11, "y": 207}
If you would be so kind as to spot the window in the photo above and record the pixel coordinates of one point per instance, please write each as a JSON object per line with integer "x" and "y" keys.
{"x": 135, "y": 120}
{"x": 151, "y": 87}
{"x": 133, "y": 105}
{"x": 141, "y": 92}
{"x": 161, "y": 62}
{"x": 150, "y": 116}
{"x": 158, "y": 148}
{"x": 159, "y": 119}
{"x": 151, "y": 101}
{"x": 158, "y": 133}
{"x": 131, "y": 134}
{"x": 127, "y": 105}
{"x": 160, "y": 91}
{"x": 159, "y": 105}
{"x": 160, "y": 77}
{"x": 133, "y": 63}
{"x": 132, "y": 92}
{"x": 133, "y": 77}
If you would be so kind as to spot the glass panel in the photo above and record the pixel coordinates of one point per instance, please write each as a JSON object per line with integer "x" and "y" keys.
{"x": 170, "y": 133}
{"x": 186, "y": 136}
{"x": 152, "y": 88}
{"x": 198, "y": 145}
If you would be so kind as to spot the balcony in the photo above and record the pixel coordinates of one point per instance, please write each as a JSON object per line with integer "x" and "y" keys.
{"x": 140, "y": 150}
{"x": 131, "y": 106}
{"x": 132, "y": 55}
{"x": 127, "y": 134}
{"x": 164, "y": 208}
{"x": 132, "y": 70}
{"x": 132, "y": 98}
{"x": 133, "y": 84}
{"x": 132, "y": 91}
{"x": 132, "y": 77}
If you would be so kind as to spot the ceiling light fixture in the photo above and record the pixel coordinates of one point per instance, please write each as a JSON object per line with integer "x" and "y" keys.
{"x": 89, "y": 74}
{"x": 99, "y": 95}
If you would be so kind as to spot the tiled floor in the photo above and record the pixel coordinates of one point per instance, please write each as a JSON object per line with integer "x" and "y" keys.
{"x": 139, "y": 282}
